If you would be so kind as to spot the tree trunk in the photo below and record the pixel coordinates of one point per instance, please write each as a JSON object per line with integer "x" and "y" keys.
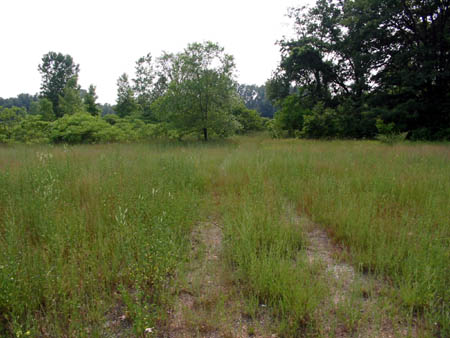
{"x": 205, "y": 134}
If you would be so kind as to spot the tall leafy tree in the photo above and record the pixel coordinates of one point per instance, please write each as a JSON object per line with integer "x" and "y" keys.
{"x": 126, "y": 104}
{"x": 90, "y": 101}
{"x": 106, "y": 109}
{"x": 70, "y": 102}
{"x": 416, "y": 79}
{"x": 56, "y": 70}
{"x": 201, "y": 90}
{"x": 151, "y": 82}
{"x": 333, "y": 53}
{"x": 143, "y": 83}
{"x": 390, "y": 57}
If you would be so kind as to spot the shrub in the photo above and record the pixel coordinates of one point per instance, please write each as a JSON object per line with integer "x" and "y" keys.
{"x": 387, "y": 133}
{"x": 83, "y": 128}
{"x": 291, "y": 116}
{"x": 249, "y": 119}
{"x": 32, "y": 129}
{"x": 9, "y": 120}
{"x": 321, "y": 123}
{"x": 274, "y": 128}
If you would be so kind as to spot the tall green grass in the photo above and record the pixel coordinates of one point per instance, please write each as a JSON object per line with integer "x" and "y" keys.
{"x": 388, "y": 206}
{"x": 90, "y": 234}
{"x": 264, "y": 245}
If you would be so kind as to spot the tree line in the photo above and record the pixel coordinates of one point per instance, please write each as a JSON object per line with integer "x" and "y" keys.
{"x": 356, "y": 63}
{"x": 356, "y": 69}
{"x": 190, "y": 93}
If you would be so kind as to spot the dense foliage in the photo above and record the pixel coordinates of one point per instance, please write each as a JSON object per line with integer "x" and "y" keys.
{"x": 22, "y": 100}
{"x": 57, "y": 71}
{"x": 191, "y": 93}
{"x": 16, "y": 126}
{"x": 354, "y": 61}
{"x": 200, "y": 91}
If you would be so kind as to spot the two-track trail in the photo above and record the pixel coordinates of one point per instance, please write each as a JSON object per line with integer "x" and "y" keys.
{"x": 208, "y": 303}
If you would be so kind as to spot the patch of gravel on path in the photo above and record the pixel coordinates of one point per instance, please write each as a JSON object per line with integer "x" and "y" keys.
{"x": 207, "y": 304}
{"x": 351, "y": 291}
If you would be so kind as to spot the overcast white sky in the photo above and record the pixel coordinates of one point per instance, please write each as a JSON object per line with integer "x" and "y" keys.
{"x": 107, "y": 37}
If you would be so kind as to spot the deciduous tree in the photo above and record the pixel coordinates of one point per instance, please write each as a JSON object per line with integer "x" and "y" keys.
{"x": 70, "y": 101}
{"x": 91, "y": 106}
{"x": 126, "y": 103}
{"x": 201, "y": 90}
{"x": 386, "y": 56}
{"x": 56, "y": 70}
{"x": 144, "y": 84}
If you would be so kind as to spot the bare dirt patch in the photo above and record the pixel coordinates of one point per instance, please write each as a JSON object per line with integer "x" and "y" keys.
{"x": 359, "y": 305}
{"x": 207, "y": 303}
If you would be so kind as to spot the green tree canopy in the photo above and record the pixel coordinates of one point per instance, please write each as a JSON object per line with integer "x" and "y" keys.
{"x": 200, "y": 91}
{"x": 389, "y": 56}
{"x": 126, "y": 104}
{"x": 70, "y": 101}
{"x": 43, "y": 107}
{"x": 144, "y": 84}
{"x": 56, "y": 70}
{"x": 90, "y": 101}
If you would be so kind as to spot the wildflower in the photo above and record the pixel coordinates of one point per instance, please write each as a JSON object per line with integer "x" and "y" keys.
{"x": 148, "y": 330}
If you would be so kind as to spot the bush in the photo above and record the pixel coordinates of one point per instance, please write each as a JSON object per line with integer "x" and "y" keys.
{"x": 427, "y": 134}
{"x": 291, "y": 116}
{"x": 226, "y": 125}
{"x": 275, "y": 129}
{"x": 32, "y": 129}
{"x": 10, "y": 118}
{"x": 391, "y": 139}
{"x": 321, "y": 123}
{"x": 249, "y": 119}
{"x": 83, "y": 128}
{"x": 387, "y": 133}
{"x": 356, "y": 120}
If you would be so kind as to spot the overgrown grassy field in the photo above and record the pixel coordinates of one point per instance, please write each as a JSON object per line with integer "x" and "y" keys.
{"x": 90, "y": 233}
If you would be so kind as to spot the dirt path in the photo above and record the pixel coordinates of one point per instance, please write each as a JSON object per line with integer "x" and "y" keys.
{"x": 359, "y": 305}
{"x": 207, "y": 303}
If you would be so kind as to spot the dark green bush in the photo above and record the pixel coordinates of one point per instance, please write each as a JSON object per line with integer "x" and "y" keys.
{"x": 321, "y": 123}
